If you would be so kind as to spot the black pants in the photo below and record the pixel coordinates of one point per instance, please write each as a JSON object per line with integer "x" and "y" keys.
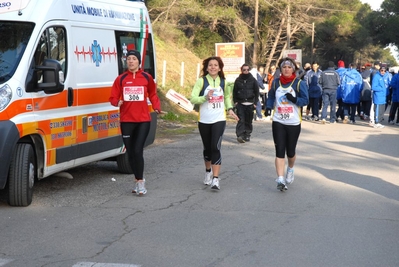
{"x": 134, "y": 135}
{"x": 392, "y": 112}
{"x": 365, "y": 107}
{"x": 211, "y": 135}
{"x": 340, "y": 110}
{"x": 350, "y": 110}
{"x": 314, "y": 106}
{"x": 244, "y": 125}
{"x": 285, "y": 139}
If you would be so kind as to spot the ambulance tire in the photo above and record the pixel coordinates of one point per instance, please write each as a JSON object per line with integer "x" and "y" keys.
{"x": 21, "y": 176}
{"x": 124, "y": 165}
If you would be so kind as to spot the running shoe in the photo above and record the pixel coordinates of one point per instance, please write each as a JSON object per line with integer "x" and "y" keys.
{"x": 290, "y": 175}
{"x": 378, "y": 125}
{"x": 240, "y": 139}
{"x": 136, "y": 187}
{"x": 323, "y": 121}
{"x": 141, "y": 190}
{"x": 208, "y": 178}
{"x": 391, "y": 122}
{"x": 281, "y": 184}
{"x": 215, "y": 184}
{"x": 346, "y": 119}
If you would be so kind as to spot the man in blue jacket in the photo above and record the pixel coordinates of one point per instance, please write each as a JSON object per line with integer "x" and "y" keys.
{"x": 312, "y": 80}
{"x": 351, "y": 87}
{"x": 379, "y": 97}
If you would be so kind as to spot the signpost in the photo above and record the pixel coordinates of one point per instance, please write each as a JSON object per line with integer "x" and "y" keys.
{"x": 295, "y": 54}
{"x": 233, "y": 56}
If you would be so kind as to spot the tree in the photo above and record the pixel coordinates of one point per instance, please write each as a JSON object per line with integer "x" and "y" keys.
{"x": 383, "y": 23}
{"x": 342, "y": 27}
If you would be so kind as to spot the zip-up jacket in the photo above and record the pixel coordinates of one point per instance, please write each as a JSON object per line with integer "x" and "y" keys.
{"x": 379, "y": 89}
{"x": 246, "y": 89}
{"x": 133, "y": 89}
{"x": 329, "y": 79}
{"x": 312, "y": 80}
{"x": 340, "y": 72}
{"x": 395, "y": 88}
{"x": 352, "y": 85}
{"x": 196, "y": 98}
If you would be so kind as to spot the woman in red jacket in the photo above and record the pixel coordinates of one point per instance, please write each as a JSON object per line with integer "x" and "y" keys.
{"x": 129, "y": 92}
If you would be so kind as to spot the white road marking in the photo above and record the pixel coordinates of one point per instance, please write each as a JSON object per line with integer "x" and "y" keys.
{"x": 5, "y": 261}
{"x": 98, "y": 264}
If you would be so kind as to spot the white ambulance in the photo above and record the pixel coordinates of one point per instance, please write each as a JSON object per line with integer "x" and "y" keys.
{"x": 58, "y": 61}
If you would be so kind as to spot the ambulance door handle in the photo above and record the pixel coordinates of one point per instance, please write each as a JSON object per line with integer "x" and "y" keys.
{"x": 70, "y": 96}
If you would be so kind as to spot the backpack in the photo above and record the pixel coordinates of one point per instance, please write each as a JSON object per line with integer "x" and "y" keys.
{"x": 206, "y": 84}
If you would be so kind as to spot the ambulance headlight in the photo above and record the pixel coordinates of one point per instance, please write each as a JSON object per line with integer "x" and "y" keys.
{"x": 5, "y": 96}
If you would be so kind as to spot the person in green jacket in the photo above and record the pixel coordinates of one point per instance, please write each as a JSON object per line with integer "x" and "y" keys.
{"x": 214, "y": 95}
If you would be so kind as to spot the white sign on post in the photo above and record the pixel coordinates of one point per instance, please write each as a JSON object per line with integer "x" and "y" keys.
{"x": 295, "y": 54}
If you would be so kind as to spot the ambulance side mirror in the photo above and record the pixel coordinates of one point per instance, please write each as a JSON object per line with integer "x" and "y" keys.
{"x": 52, "y": 82}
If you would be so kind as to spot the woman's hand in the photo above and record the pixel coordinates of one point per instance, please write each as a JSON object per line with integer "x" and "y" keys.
{"x": 209, "y": 95}
{"x": 232, "y": 114}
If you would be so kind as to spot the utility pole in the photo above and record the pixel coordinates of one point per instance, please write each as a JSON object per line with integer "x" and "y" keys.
{"x": 288, "y": 28}
{"x": 254, "y": 55}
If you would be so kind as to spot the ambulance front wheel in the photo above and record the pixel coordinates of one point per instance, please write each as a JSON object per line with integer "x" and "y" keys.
{"x": 124, "y": 165}
{"x": 21, "y": 176}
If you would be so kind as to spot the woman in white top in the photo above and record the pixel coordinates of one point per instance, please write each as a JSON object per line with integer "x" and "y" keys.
{"x": 287, "y": 95}
{"x": 214, "y": 95}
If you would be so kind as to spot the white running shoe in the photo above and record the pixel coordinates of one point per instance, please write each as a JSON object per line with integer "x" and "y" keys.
{"x": 215, "y": 184}
{"x": 281, "y": 184}
{"x": 141, "y": 190}
{"x": 378, "y": 125}
{"x": 290, "y": 175}
{"x": 136, "y": 187}
{"x": 208, "y": 178}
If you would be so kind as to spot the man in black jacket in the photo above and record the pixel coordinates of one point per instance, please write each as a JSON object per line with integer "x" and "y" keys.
{"x": 245, "y": 96}
{"x": 329, "y": 81}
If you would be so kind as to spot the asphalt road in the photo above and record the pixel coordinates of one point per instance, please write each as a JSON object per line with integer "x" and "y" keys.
{"x": 342, "y": 209}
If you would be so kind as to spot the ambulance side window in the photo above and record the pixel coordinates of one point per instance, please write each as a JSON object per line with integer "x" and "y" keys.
{"x": 131, "y": 40}
{"x": 52, "y": 45}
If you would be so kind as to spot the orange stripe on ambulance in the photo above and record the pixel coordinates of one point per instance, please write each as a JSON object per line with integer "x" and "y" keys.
{"x": 55, "y": 80}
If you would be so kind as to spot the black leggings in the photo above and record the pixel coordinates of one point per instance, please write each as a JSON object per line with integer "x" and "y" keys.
{"x": 211, "y": 135}
{"x": 285, "y": 139}
{"x": 134, "y": 135}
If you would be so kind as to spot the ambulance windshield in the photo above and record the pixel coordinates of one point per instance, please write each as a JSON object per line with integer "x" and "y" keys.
{"x": 14, "y": 36}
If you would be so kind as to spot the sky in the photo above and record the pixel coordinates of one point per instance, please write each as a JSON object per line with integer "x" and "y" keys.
{"x": 375, "y": 4}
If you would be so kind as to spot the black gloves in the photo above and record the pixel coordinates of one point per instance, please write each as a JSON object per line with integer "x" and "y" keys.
{"x": 291, "y": 97}
{"x": 268, "y": 112}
